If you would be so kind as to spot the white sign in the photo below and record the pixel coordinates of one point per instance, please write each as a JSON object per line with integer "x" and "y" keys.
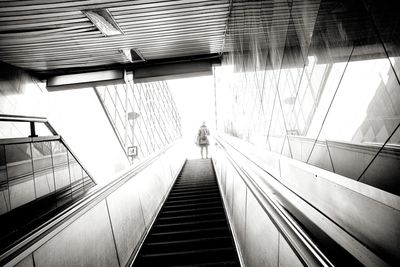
{"x": 132, "y": 151}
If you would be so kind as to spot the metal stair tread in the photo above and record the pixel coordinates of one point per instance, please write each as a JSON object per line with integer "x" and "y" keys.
{"x": 189, "y": 240}
{"x": 198, "y": 251}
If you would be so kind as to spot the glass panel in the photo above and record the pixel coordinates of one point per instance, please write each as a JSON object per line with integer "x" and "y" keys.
{"x": 20, "y": 174}
{"x": 277, "y": 132}
{"x": 109, "y": 103}
{"x": 34, "y": 181}
{"x": 3, "y": 170}
{"x": 112, "y": 93}
{"x": 60, "y": 161}
{"x": 142, "y": 104}
{"x": 363, "y": 110}
{"x": 384, "y": 171}
{"x": 43, "y": 168}
{"x": 102, "y": 92}
{"x": 41, "y": 129}
{"x": 286, "y": 150}
{"x": 14, "y": 129}
{"x": 320, "y": 156}
{"x": 76, "y": 176}
{"x": 75, "y": 169}
{"x": 387, "y": 20}
{"x": 4, "y": 193}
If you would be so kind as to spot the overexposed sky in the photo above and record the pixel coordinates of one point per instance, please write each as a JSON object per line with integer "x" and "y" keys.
{"x": 194, "y": 98}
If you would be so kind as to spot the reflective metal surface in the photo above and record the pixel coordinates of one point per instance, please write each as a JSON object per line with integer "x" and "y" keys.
{"x": 80, "y": 244}
{"x": 27, "y": 262}
{"x": 361, "y": 219}
{"x": 127, "y": 218}
{"x": 257, "y": 227}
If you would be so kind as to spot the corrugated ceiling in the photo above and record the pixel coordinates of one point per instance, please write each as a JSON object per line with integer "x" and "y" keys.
{"x": 43, "y": 35}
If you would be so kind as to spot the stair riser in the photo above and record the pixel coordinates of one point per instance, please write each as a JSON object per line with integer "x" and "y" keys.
{"x": 181, "y": 235}
{"x": 182, "y": 219}
{"x": 193, "y": 192}
{"x": 189, "y": 258}
{"x": 190, "y": 206}
{"x": 189, "y": 226}
{"x": 187, "y": 246}
{"x": 192, "y": 200}
{"x": 191, "y": 211}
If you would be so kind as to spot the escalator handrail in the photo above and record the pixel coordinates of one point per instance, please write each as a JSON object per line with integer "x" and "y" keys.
{"x": 9, "y": 117}
{"x": 92, "y": 198}
{"x": 302, "y": 244}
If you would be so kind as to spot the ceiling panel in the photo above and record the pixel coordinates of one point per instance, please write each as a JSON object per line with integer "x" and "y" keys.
{"x": 52, "y": 35}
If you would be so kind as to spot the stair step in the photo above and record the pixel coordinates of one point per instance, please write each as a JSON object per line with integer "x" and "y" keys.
{"x": 187, "y": 234}
{"x": 186, "y": 241}
{"x": 203, "y": 205}
{"x": 191, "y": 228}
{"x": 194, "y": 183}
{"x": 188, "y": 244}
{"x": 212, "y": 264}
{"x": 192, "y": 211}
{"x": 187, "y": 257}
{"x": 193, "y": 200}
{"x": 192, "y": 217}
{"x": 193, "y": 192}
{"x": 187, "y": 186}
{"x": 189, "y": 225}
{"x": 194, "y": 195}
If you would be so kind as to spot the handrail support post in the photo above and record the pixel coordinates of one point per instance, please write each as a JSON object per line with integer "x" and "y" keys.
{"x": 33, "y": 130}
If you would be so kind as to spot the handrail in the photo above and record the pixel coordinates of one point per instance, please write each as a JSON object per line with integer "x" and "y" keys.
{"x": 304, "y": 247}
{"x": 94, "y": 196}
{"x": 344, "y": 144}
{"x": 30, "y": 119}
{"x": 9, "y": 117}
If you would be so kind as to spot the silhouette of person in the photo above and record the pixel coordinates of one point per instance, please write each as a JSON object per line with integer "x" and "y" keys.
{"x": 202, "y": 139}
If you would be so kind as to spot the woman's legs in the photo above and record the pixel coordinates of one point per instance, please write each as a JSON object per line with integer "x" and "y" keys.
{"x": 201, "y": 151}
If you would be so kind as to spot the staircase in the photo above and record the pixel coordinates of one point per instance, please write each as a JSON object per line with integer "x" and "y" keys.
{"x": 191, "y": 229}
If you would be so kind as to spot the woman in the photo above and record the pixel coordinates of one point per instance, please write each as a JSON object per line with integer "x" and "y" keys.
{"x": 202, "y": 139}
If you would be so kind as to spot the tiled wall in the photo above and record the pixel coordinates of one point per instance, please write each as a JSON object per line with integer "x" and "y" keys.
{"x": 317, "y": 81}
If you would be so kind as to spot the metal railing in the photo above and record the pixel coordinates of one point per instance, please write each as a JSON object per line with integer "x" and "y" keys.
{"x": 29, "y": 119}
{"x": 297, "y": 195}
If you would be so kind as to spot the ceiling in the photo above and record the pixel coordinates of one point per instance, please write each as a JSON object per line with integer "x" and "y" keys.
{"x": 48, "y": 36}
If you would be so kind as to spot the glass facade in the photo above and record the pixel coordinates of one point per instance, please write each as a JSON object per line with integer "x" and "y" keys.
{"x": 33, "y": 170}
{"x": 38, "y": 178}
{"x": 143, "y": 115}
{"x": 317, "y": 81}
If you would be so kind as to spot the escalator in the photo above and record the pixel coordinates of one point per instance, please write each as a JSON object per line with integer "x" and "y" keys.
{"x": 191, "y": 228}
